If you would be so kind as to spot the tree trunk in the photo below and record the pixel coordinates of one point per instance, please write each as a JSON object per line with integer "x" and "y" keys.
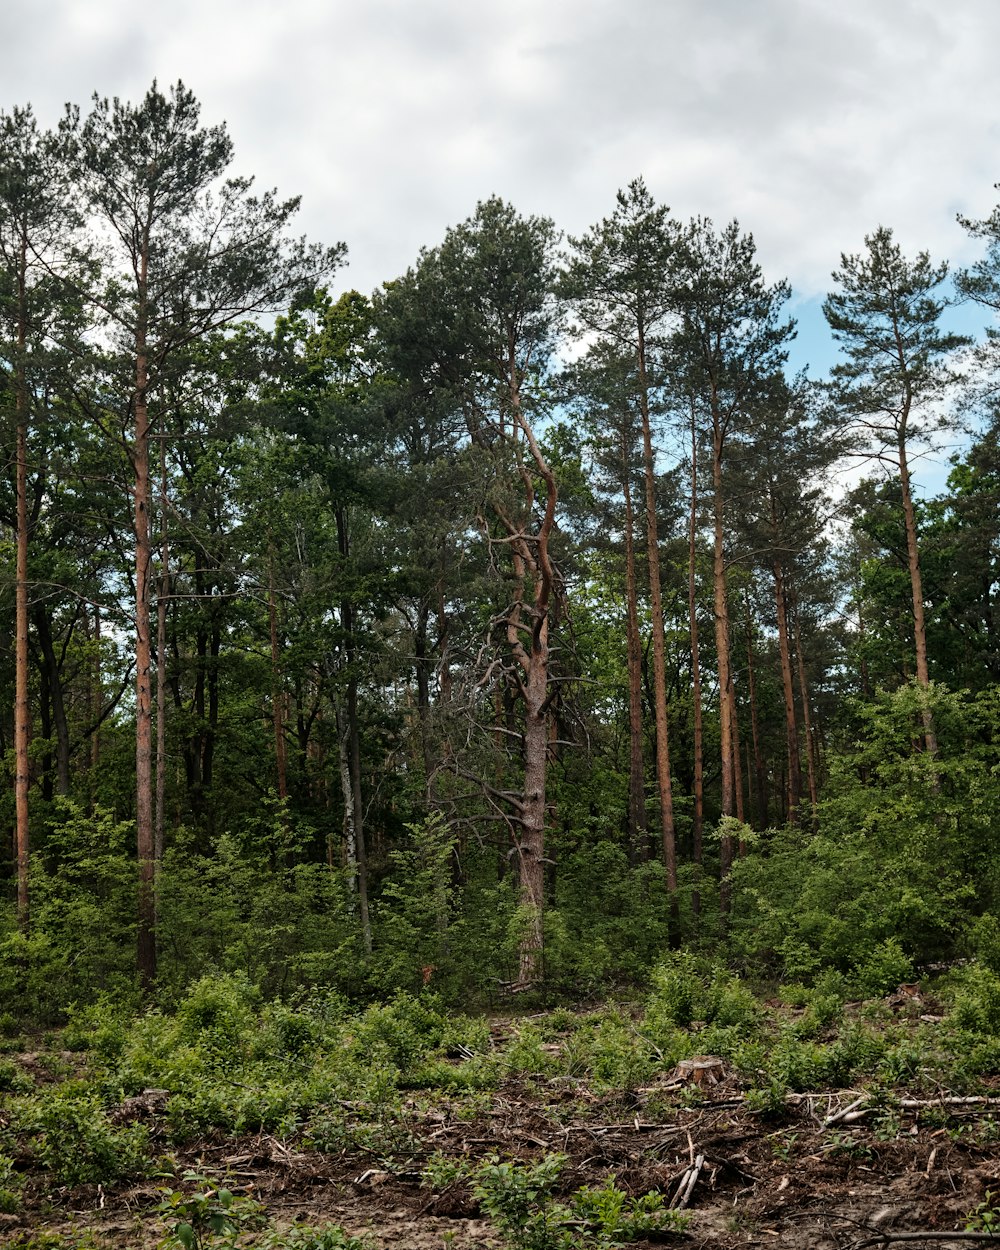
{"x": 145, "y": 847}
{"x": 659, "y": 658}
{"x": 698, "y": 815}
{"x": 57, "y": 702}
{"x": 423, "y": 667}
{"x": 637, "y": 823}
{"x": 793, "y": 792}
{"x": 738, "y": 772}
{"x": 354, "y": 737}
{"x": 531, "y": 676}
{"x": 760, "y": 776}
{"x": 726, "y": 692}
{"x": 917, "y": 593}
{"x": 359, "y": 823}
{"x": 806, "y": 716}
{"x": 95, "y": 743}
{"x": 531, "y": 843}
{"x": 277, "y": 694}
{"x": 22, "y": 711}
{"x": 162, "y": 593}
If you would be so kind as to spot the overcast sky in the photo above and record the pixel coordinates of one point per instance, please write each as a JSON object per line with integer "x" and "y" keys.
{"x": 812, "y": 121}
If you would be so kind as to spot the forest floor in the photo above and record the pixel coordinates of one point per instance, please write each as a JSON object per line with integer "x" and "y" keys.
{"x": 827, "y": 1170}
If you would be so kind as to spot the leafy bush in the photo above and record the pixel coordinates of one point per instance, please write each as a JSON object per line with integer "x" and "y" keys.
{"x": 74, "y": 1139}
{"x": 686, "y": 989}
{"x": 10, "y": 1186}
{"x": 518, "y": 1197}
{"x": 82, "y": 937}
{"x": 977, "y": 1000}
{"x": 906, "y": 848}
{"x": 330, "y": 1237}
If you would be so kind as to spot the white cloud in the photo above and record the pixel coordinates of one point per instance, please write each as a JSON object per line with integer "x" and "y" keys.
{"x": 810, "y": 121}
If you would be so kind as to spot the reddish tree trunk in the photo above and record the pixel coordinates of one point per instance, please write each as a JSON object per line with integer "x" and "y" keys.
{"x": 143, "y": 652}
{"x": 22, "y": 712}
{"x": 659, "y": 658}
{"x": 637, "y": 823}
{"x": 793, "y": 791}
{"x": 726, "y": 692}
{"x": 698, "y": 815}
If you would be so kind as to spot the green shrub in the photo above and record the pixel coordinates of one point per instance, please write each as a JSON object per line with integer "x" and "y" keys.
{"x": 74, "y": 1139}
{"x": 882, "y": 969}
{"x": 329, "y": 1237}
{"x": 977, "y": 1000}
{"x": 10, "y": 1186}
{"x": 685, "y": 990}
{"x": 518, "y": 1197}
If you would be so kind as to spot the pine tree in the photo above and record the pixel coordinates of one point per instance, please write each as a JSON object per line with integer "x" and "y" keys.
{"x": 188, "y": 252}
{"x": 886, "y": 315}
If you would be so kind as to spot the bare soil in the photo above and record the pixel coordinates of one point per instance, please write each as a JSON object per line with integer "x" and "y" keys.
{"x": 764, "y": 1181}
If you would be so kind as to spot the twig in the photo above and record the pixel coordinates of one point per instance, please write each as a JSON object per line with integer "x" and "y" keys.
{"x": 970, "y": 1101}
{"x": 688, "y": 1181}
{"x": 844, "y": 1113}
{"x": 886, "y": 1239}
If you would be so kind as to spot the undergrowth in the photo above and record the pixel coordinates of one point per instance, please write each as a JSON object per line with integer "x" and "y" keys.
{"x": 340, "y": 1079}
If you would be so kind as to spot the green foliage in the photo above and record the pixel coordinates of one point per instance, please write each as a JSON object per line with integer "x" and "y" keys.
{"x": 977, "y": 1000}
{"x": 686, "y": 989}
{"x": 13, "y": 1078}
{"x": 610, "y": 921}
{"x": 984, "y": 940}
{"x": 518, "y": 1197}
{"x": 280, "y": 927}
{"x": 905, "y": 849}
{"x": 985, "y": 1218}
{"x": 100, "y": 1027}
{"x": 82, "y": 938}
{"x": 301, "y": 1237}
{"x": 414, "y": 914}
{"x": 77, "y": 1143}
{"x": 208, "y": 1216}
{"x": 10, "y": 1186}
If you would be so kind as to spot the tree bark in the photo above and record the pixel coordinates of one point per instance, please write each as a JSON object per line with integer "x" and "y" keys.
{"x": 145, "y": 847}
{"x": 22, "y": 711}
{"x": 806, "y": 717}
{"x": 698, "y": 746}
{"x": 56, "y": 699}
{"x": 353, "y": 739}
{"x": 656, "y": 608}
{"x": 163, "y": 590}
{"x": 531, "y": 674}
{"x": 917, "y": 591}
{"x": 726, "y": 692}
{"x": 760, "y": 776}
{"x": 793, "y": 792}
{"x": 277, "y": 694}
{"x": 637, "y": 823}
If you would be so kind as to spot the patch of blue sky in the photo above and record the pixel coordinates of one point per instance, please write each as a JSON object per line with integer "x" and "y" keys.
{"x": 815, "y": 351}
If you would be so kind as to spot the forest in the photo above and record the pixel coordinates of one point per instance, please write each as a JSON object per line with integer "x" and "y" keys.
{"x": 515, "y": 683}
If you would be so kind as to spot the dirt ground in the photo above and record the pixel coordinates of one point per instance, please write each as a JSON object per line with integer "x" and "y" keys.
{"x": 809, "y": 1176}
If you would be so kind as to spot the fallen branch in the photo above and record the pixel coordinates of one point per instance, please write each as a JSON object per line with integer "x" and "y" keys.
{"x": 888, "y": 1239}
{"x": 686, "y": 1188}
{"x": 844, "y": 1114}
{"x": 970, "y": 1101}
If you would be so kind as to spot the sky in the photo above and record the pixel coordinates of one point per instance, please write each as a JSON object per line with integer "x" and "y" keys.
{"x": 811, "y": 121}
